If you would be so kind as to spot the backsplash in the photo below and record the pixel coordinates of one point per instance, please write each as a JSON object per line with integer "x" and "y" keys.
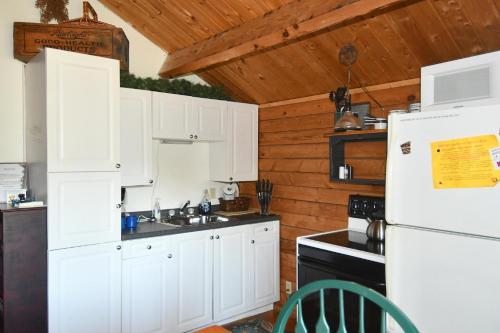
{"x": 183, "y": 175}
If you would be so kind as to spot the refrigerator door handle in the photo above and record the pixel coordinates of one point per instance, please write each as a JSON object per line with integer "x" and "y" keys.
{"x": 391, "y": 161}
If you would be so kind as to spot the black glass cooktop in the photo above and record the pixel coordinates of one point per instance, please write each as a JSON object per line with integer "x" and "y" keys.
{"x": 353, "y": 240}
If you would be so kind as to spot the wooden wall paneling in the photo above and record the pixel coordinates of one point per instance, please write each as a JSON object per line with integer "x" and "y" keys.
{"x": 293, "y": 155}
{"x": 287, "y": 23}
{"x": 485, "y": 18}
{"x": 435, "y": 32}
{"x": 459, "y": 26}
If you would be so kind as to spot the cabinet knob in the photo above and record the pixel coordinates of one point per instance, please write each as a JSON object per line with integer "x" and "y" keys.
{"x": 169, "y": 255}
{"x": 231, "y": 178}
{"x": 151, "y": 181}
{"x": 117, "y": 165}
{"x": 196, "y": 136}
{"x": 149, "y": 247}
{"x": 191, "y": 136}
{"x": 217, "y": 237}
{"x": 118, "y": 247}
{"x": 252, "y": 241}
{"x": 266, "y": 229}
{"x": 211, "y": 237}
{"x": 118, "y": 205}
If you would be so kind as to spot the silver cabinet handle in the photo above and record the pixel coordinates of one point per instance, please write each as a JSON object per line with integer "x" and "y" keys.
{"x": 211, "y": 237}
{"x": 196, "y": 136}
{"x": 266, "y": 229}
{"x": 252, "y": 241}
{"x": 191, "y": 136}
{"x": 217, "y": 237}
{"x": 117, "y": 165}
{"x": 149, "y": 247}
{"x": 169, "y": 255}
{"x": 118, "y": 247}
{"x": 118, "y": 205}
{"x": 151, "y": 181}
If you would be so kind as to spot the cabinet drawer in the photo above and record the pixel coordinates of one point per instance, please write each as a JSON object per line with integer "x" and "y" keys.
{"x": 144, "y": 247}
{"x": 266, "y": 228}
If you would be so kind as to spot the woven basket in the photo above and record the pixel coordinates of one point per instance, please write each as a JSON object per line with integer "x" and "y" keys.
{"x": 236, "y": 205}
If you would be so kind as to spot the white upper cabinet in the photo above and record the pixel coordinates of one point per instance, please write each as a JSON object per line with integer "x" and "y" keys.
{"x": 212, "y": 119}
{"x": 236, "y": 159}
{"x": 178, "y": 117}
{"x": 84, "y": 289}
{"x": 135, "y": 137}
{"x": 172, "y": 116}
{"x": 84, "y": 208}
{"x": 83, "y": 112}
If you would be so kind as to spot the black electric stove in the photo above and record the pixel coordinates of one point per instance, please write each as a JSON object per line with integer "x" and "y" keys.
{"x": 344, "y": 255}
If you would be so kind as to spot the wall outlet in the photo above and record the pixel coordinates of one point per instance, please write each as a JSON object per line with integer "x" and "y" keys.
{"x": 288, "y": 288}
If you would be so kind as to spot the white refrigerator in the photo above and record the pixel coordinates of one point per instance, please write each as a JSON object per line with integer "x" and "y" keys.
{"x": 443, "y": 214}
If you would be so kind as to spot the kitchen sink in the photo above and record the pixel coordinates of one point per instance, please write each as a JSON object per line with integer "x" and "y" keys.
{"x": 193, "y": 220}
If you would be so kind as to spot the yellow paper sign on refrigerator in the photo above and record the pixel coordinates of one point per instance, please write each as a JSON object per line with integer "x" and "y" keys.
{"x": 464, "y": 163}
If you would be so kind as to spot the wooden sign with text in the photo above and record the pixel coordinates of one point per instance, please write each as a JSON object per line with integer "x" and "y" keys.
{"x": 85, "y": 35}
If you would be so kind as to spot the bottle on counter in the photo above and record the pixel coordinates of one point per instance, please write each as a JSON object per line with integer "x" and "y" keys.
{"x": 205, "y": 206}
{"x": 157, "y": 210}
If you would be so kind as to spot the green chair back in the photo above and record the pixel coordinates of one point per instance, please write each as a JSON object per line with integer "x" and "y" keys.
{"x": 295, "y": 302}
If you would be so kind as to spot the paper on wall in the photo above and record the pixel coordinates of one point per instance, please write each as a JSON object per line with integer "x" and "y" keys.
{"x": 466, "y": 162}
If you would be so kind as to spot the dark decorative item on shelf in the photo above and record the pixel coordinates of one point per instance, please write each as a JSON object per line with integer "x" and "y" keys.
{"x": 347, "y": 117}
{"x": 237, "y": 205}
{"x": 264, "y": 190}
{"x": 85, "y": 35}
{"x": 52, "y": 10}
{"x": 177, "y": 86}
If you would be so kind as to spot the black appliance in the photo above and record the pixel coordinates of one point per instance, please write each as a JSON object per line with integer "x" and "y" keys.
{"x": 345, "y": 255}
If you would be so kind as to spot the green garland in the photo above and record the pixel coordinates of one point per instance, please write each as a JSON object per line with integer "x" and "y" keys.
{"x": 177, "y": 86}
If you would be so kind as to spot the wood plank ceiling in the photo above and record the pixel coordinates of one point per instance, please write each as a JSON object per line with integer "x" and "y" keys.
{"x": 392, "y": 46}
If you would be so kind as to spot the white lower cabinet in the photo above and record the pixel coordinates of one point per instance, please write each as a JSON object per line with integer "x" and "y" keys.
{"x": 265, "y": 265}
{"x": 145, "y": 294}
{"x": 179, "y": 283}
{"x": 84, "y": 289}
{"x": 193, "y": 280}
{"x": 231, "y": 272}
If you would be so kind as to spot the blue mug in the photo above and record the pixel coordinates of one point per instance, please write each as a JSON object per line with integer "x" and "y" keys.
{"x": 124, "y": 222}
{"x": 132, "y": 221}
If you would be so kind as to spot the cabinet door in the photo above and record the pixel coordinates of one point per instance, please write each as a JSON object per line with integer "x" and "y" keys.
{"x": 145, "y": 294}
{"x": 193, "y": 254}
{"x": 84, "y": 289}
{"x": 212, "y": 119}
{"x": 83, "y": 115}
{"x": 173, "y": 117}
{"x": 135, "y": 137}
{"x": 231, "y": 271}
{"x": 84, "y": 209}
{"x": 264, "y": 270}
{"x": 244, "y": 138}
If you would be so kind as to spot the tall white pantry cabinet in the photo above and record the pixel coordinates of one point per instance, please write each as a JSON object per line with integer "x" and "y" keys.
{"x": 73, "y": 152}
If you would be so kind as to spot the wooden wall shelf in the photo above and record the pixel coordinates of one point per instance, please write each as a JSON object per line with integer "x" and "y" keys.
{"x": 337, "y": 153}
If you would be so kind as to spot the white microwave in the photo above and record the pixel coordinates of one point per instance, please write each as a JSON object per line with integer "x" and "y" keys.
{"x": 473, "y": 81}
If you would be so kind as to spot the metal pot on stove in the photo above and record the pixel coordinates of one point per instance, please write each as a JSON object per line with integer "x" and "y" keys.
{"x": 376, "y": 229}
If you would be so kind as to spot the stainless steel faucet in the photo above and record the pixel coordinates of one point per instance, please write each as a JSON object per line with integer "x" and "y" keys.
{"x": 183, "y": 208}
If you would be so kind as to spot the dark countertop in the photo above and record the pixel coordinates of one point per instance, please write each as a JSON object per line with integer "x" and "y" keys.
{"x": 151, "y": 229}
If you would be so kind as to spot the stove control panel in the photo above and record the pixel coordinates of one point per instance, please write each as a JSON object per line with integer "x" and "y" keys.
{"x": 362, "y": 206}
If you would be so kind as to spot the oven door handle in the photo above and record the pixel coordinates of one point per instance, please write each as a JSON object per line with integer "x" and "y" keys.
{"x": 343, "y": 275}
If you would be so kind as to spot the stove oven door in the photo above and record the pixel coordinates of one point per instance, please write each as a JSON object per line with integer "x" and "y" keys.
{"x": 330, "y": 265}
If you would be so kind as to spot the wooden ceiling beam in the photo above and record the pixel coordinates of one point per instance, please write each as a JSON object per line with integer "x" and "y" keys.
{"x": 287, "y": 23}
